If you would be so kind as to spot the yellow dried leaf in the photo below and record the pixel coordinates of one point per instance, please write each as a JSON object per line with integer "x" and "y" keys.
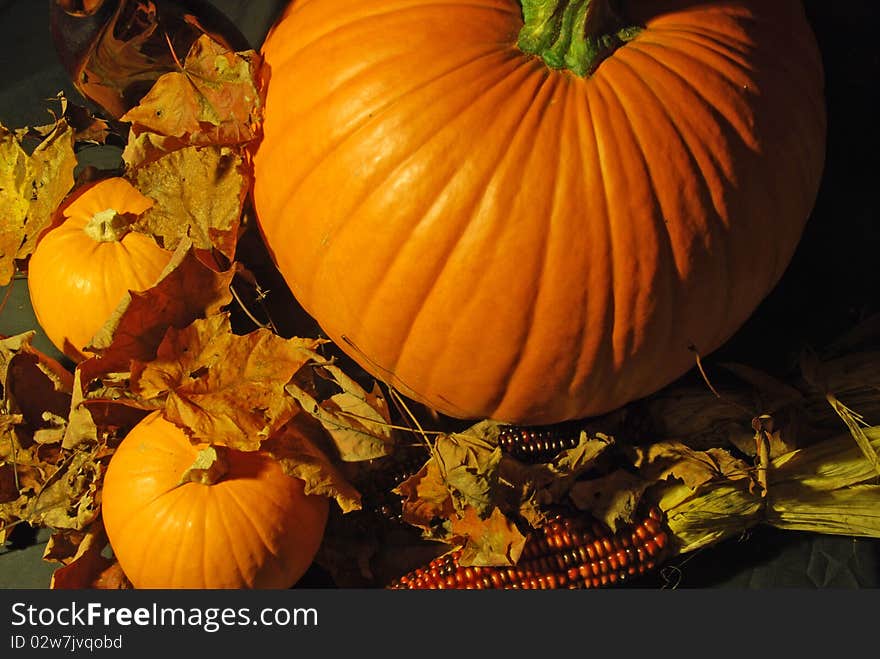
{"x": 199, "y": 194}
{"x": 426, "y": 497}
{"x": 469, "y": 463}
{"x": 87, "y": 567}
{"x": 664, "y": 460}
{"x": 31, "y": 188}
{"x": 213, "y": 99}
{"x": 187, "y": 289}
{"x": 356, "y": 420}
{"x": 493, "y": 540}
{"x": 303, "y": 453}
{"x": 224, "y": 388}
{"x": 612, "y": 498}
{"x": 69, "y": 499}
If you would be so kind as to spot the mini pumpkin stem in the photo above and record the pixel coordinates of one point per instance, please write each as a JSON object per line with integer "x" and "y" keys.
{"x": 574, "y": 34}
{"x": 210, "y": 466}
{"x": 108, "y": 226}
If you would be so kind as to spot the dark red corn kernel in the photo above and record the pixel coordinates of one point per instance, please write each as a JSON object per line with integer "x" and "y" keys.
{"x": 612, "y": 562}
{"x": 652, "y": 525}
{"x": 661, "y": 539}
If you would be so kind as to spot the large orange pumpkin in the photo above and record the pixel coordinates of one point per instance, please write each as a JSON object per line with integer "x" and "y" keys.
{"x": 251, "y": 526}
{"x": 528, "y": 222}
{"x": 81, "y": 269}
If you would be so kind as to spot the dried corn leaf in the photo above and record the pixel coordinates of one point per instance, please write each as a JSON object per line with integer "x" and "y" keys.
{"x": 856, "y": 424}
{"x": 827, "y": 487}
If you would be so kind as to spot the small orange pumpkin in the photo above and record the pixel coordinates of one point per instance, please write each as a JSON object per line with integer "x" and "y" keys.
{"x": 81, "y": 269}
{"x": 529, "y": 211}
{"x": 251, "y": 526}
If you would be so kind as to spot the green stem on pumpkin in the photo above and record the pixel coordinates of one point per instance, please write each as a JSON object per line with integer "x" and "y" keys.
{"x": 574, "y": 34}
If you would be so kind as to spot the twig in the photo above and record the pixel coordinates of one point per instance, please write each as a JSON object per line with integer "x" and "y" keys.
{"x": 171, "y": 48}
{"x": 267, "y": 326}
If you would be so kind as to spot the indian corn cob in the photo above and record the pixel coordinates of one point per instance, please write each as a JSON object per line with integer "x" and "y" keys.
{"x": 538, "y": 443}
{"x": 567, "y": 552}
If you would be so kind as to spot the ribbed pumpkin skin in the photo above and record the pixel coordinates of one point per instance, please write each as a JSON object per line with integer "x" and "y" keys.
{"x": 255, "y": 528}
{"x": 502, "y": 240}
{"x": 76, "y": 282}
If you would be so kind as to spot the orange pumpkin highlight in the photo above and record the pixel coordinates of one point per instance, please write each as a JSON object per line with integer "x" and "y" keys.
{"x": 81, "y": 269}
{"x": 253, "y": 528}
{"x": 501, "y": 239}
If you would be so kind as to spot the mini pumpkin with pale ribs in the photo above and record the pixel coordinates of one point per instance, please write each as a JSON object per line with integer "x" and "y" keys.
{"x": 184, "y": 515}
{"x": 82, "y": 269}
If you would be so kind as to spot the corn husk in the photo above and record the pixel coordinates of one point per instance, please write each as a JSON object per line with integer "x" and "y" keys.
{"x": 810, "y": 445}
{"x": 829, "y": 487}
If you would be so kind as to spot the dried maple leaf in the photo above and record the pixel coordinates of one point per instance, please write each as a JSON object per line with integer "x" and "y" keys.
{"x": 664, "y": 460}
{"x": 31, "y": 188}
{"x": 87, "y": 128}
{"x": 102, "y": 414}
{"x": 57, "y": 490}
{"x": 303, "y": 451}
{"x": 224, "y": 388}
{"x": 426, "y": 498}
{"x": 212, "y": 99}
{"x": 612, "y": 498}
{"x": 357, "y": 420}
{"x": 35, "y": 387}
{"x": 492, "y": 540}
{"x": 69, "y": 498}
{"x": 469, "y": 462}
{"x": 199, "y": 194}
{"x": 114, "y": 52}
{"x": 84, "y": 564}
{"x": 469, "y": 471}
{"x": 187, "y": 289}
{"x": 532, "y": 488}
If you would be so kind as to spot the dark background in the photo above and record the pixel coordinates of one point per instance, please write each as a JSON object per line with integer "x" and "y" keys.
{"x": 830, "y": 286}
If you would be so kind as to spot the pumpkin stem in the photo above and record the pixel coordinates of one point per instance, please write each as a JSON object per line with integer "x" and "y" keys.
{"x": 574, "y": 34}
{"x": 107, "y": 226}
{"x": 210, "y": 466}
